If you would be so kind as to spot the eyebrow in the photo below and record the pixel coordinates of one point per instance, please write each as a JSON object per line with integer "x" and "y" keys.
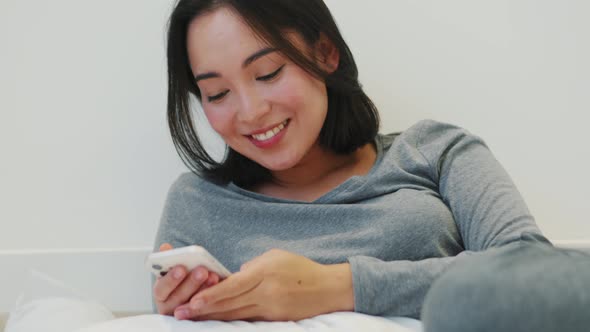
{"x": 246, "y": 63}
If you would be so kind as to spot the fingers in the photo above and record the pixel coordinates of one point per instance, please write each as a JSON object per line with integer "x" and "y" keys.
{"x": 165, "y": 285}
{"x": 183, "y": 311}
{"x": 178, "y": 285}
{"x": 169, "y": 295}
{"x": 213, "y": 279}
{"x": 240, "y": 313}
{"x": 228, "y": 305}
{"x": 183, "y": 292}
{"x": 244, "y": 313}
{"x": 236, "y": 284}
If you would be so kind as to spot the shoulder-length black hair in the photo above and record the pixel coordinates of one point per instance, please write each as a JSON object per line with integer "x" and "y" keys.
{"x": 352, "y": 119}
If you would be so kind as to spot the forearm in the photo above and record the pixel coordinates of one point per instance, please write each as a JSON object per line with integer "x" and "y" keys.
{"x": 396, "y": 288}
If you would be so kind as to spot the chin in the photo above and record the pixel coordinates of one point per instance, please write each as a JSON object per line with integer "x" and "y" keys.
{"x": 280, "y": 166}
{"x": 277, "y": 168}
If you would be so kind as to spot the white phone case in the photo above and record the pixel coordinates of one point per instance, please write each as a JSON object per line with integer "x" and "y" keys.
{"x": 192, "y": 256}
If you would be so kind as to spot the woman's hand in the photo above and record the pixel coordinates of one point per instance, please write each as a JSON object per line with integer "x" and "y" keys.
{"x": 276, "y": 286}
{"x": 179, "y": 285}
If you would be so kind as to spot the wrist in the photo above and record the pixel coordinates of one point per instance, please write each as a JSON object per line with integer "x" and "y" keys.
{"x": 338, "y": 280}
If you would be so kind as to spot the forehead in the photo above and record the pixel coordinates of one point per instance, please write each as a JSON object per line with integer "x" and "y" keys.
{"x": 220, "y": 39}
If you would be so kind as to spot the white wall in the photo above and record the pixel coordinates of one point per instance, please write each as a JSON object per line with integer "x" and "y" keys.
{"x": 87, "y": 159}
{"x": 86, "y": 156}
{"x": 515, "y": 72}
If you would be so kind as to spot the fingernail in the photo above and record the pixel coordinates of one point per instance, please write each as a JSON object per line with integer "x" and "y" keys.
{"x": 198, "y": 304}
{"x": 181, "y": 314}
{"x": 199, "y": 275}
{"x": 177, "y": 274}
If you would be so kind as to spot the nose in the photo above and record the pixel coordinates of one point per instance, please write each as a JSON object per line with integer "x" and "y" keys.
{"x": 253, "y": 107}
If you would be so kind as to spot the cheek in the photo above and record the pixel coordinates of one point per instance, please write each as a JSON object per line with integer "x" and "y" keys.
{"x": 294, "y": 93}
{"x": 304, "y": 91}
{"x": 219, "y": 120}
{"x": 290, "y": 95}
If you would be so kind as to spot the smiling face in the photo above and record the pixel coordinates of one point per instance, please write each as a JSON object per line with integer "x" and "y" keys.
{"x": 263, "y": 105}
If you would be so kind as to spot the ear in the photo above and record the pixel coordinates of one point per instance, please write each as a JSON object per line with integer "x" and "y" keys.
{"x": 327, "y": 54}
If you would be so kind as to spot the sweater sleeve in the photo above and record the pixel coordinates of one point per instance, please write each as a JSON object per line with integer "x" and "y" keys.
{"x": 488, "y": 210}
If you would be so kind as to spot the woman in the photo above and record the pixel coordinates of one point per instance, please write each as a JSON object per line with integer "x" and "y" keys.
{"x": 315, "y": 210}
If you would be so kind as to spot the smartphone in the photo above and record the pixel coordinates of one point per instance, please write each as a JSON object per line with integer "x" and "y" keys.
{"x": 159, "y": 263}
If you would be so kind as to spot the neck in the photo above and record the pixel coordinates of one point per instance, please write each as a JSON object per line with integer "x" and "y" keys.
{"x": 319, "y": 164}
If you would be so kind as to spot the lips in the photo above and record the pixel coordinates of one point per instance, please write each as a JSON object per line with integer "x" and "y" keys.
{"x": 270, "y": 137}
{"x": 264, "y": 135}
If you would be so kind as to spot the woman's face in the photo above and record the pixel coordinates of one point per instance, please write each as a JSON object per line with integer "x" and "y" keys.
{"x": 263, "y": 105}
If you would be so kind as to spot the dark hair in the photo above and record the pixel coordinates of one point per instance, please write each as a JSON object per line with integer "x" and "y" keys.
{"x": 352, "y": 119}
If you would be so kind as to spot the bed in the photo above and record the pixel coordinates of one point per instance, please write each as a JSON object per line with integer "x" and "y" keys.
{"x": 107, "y": 284}
{"x": 89, "y": 290}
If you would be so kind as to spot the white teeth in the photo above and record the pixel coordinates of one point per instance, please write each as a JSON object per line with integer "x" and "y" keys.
{"x": 271, "y": 133}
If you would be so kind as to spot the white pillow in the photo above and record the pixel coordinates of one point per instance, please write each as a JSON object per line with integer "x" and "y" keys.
{"x": 48, "y": 305}
{"x": 56, "y": 315}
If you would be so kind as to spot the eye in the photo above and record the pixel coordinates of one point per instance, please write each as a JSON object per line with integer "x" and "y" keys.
{"x": 270, "y": 76}
{"x": 217, "y": 96}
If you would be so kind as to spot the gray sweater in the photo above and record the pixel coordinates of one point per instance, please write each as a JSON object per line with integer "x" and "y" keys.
{"x": 435, "y": 196}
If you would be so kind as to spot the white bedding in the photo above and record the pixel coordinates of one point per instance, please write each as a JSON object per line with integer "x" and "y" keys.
{"x": 58, "y": 314}
{"x": 50, "y": 306}
{"x": 335, "y": 322}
